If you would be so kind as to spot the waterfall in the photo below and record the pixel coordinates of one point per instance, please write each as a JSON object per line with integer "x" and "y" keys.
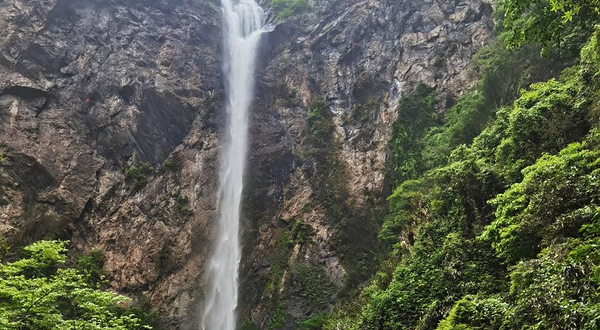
{"x": 243, "y": 26}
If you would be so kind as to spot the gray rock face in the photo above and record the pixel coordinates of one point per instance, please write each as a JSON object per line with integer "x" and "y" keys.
{"x": 89, "y": 88}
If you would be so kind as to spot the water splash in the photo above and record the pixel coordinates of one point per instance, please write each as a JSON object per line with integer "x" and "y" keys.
{"x": 243, "y": 26}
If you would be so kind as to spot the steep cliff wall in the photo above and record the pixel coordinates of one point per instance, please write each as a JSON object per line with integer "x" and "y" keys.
{"x": 88, "y": 89}
{"x": 328, "y": 95}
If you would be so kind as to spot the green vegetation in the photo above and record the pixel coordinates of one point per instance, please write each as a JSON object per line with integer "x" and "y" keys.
{"x": 2, "y": 157}
{"x": 558, "y": 195}
{"x": 182, "y": 205}
{"x": 286, "y": 9}
{"x": 138, "y": 174}
{"x": 4, "y": 248}
{"x": 39, "y": 291}
{"x": 416, "y": 114}
{"x": 91, "y": 264}
{"x": 248, "y": 325}
{"x": 172, "y": 163}
{"x": 554, "y": 23}
{"x": 313, "y": 323}
{"x": 314, "y": 284}
{"x": 495, "y": 219}
{"x": 363, "y": 112}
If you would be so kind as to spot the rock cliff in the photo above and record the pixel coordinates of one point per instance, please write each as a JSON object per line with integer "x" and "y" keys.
{"x": 90, "y": 90}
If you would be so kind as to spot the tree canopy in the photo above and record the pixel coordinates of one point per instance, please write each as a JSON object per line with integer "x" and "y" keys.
{"x": 551, "y": 23}
{"x": 38, "y": 291}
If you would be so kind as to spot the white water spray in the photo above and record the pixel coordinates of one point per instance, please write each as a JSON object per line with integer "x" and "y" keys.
{"x": 243, "y": 26}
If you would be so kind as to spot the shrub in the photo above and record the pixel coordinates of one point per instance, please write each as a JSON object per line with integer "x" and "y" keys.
{"x": 138, "y": 174}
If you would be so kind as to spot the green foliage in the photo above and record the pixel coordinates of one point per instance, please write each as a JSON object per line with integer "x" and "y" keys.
{"x": 464, "y": 121}
{"x": 182, "y": 205}
{"x": 421, "y": 141}
{"x": 249, "y": 325}
{"x": 314, "y": 284}
{"x": 502, "y": 232}
{"x": 313, "y": 323}
{"x": 320, "y": 125}
{"x": 172, "y": 163}
{"x": 552, "y": 23}
{"x": 363, "y": 112}
{"x": 558, "y": 194}
{"x": 475, "y": 313}
{"x": 416, "y": 114}
{"x": 138, "y": 174}
{"x": 590, "y": 75}
{"x": 544, "y": 119}
{"x": 554, "y": 291}
{"x": 446, "y": 261}
{"x": 4, "y": 248}
{"x": 91, "y": 264}
{"x": 278, "y": 319}
{"x": 3, "y": 158}
{"x": 287, "y": 9}
{"x": 503, "y": 74}
{"x": 39, "y": 292}
{"x": 406, "y": 202}
{"x": 278, "y": 266}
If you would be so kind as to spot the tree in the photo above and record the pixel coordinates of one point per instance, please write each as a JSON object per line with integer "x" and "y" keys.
{"x": 551, "y": 23}
{"x": 558, "y": 194}
{"x": 39, "y": 292}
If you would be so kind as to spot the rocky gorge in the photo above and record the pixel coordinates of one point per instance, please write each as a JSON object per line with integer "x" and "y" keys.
{"x": 111, "y": 115}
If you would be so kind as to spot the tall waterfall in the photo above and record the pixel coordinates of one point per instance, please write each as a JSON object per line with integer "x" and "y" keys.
{"x": 243, "y": 26}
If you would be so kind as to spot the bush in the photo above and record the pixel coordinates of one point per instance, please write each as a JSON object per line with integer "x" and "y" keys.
{"x": 91, "y": 264}
{"x": 504, "y": 233}
{"x": 464, "y": 121}
{"x": 544, "y": 119}
{"x": 475, "y": 313}
{"x": 138, "y": 174}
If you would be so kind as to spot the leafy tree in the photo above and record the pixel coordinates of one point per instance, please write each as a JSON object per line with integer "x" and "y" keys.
{"x": 39, "y": 292}
{"x": 558, "y": 194}
{"x": 551, "y": 23}
{"x": 544, "y": 119}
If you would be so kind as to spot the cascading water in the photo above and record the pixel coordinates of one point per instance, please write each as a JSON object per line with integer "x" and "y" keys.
{"x": 243, "y": 26}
